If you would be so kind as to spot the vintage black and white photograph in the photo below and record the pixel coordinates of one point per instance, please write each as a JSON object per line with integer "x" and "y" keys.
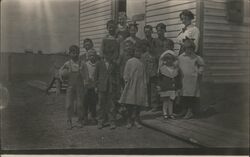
{"x": 124, "y": 76}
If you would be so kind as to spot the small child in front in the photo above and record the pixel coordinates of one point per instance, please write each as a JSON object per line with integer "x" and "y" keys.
{"x": 169, "y": 81}
{"x": 192, "y": 67}
{"x": 90, "y": 95}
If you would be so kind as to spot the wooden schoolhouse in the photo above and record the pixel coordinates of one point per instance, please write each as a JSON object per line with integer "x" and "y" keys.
{"x": 223, "y": 24}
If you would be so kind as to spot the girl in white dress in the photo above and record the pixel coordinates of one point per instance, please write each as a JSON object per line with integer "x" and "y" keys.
{"x": 192, "y": 67}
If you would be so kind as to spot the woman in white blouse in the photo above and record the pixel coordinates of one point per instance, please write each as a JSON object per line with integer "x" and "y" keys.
{"x": 188, "y": 31}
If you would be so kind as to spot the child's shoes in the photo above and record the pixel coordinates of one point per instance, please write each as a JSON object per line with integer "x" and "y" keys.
{"x": 165, "y": 117}
{"x": 79, "y": 124}
{"x": 85, "y": 122}
{"x": 100, "y": 125}
{"x": 129, "y": 126}
{"x": 189, "y": 114}
{"x": 172, "y": 117}
{"x": 69, "y": 124}
{"x": 112, "y": 126}
{"x": 138, "y": 125}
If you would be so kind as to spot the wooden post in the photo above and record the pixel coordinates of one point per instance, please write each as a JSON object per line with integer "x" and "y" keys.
{"x": 114, "y": 12}
{"x": 200, "y": 23}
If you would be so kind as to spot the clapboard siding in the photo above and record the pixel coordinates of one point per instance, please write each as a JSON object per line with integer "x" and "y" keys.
{"x": 163, "y": 9}
{"x": 225, "y": 45}
{"x": 99, "y": 4}
{"x": 95, "y": 10}
{"x": 166, "y": 17}
{"x": 167, "y": 12}
{"x": 93, "y": 17}
{"x": 96, "y": 19}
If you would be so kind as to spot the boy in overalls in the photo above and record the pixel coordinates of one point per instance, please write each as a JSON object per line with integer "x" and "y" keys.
{"x": 75, "y": 73}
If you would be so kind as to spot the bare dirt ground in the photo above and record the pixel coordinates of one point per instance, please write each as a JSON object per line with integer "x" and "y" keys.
{"x": 33, "y": 121}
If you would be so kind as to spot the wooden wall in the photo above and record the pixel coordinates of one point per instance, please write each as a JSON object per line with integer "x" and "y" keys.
{"x": 18, "y": 66}
{"x": 93, "y": 17}
{"x": 225, "y": 44}
{"x": 167, "y": 11}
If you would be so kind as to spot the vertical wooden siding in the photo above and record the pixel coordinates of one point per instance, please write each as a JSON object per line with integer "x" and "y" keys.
{"x": 93, "y": 17}
{"x": 225, "y": 45}
{"x": 167, "y": 11}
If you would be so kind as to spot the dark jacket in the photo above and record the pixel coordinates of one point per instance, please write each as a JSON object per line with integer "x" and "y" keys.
{"x": 106, "y": 80}
{"x": 167, "y": 83}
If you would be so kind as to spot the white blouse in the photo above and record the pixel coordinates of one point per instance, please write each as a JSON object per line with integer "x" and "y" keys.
{"x": 191, "y": 32}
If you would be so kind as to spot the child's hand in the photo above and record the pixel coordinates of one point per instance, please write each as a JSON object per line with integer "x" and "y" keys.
{"x": 178, "y": 92}
{"x": 96, "y": 90}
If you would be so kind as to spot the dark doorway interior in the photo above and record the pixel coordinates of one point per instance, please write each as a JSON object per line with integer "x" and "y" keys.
{"x": 122, "y": 5}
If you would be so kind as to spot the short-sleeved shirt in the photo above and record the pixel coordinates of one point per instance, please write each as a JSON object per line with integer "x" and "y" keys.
{"x": 160, "y": 47}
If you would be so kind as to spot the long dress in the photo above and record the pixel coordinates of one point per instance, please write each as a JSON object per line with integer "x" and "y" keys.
{"x": 135, "y": 90}
{"x": 192, "y": 68}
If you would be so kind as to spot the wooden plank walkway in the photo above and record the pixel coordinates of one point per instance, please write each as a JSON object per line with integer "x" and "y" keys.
{"x": 197, "y": 131}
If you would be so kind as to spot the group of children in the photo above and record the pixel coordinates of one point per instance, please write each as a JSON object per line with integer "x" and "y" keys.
{"x": 133, "y": 73}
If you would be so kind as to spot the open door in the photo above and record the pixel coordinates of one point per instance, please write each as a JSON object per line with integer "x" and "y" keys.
{"x": 136, "y": 12}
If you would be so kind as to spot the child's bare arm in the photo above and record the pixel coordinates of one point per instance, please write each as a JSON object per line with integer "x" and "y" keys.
{"x": 201, "y": 65}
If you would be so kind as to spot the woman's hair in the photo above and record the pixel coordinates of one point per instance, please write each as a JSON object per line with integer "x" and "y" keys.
{"x": 187, "y": 13}
{"x": 74, "y": 47}
{"x": 87, "y": 40}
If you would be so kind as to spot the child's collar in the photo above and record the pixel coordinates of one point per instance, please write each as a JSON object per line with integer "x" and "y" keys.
{"x": 191, "y": 55}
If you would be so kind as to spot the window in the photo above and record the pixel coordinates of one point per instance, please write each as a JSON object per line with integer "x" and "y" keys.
{"x": 235, "y": 11}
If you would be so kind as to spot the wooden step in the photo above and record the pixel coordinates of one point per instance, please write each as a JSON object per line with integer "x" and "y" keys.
{"x": 198, "y": 132}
